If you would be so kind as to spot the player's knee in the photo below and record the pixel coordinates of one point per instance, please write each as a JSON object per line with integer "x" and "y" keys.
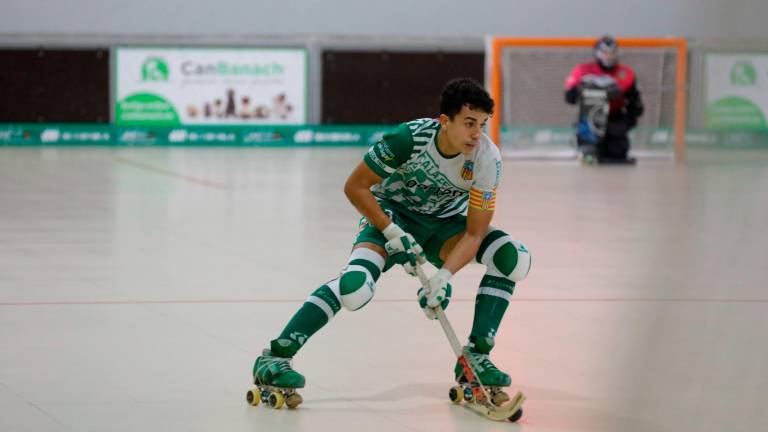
{"x": 356, "y": 289}
{"x": 512, "y": 260}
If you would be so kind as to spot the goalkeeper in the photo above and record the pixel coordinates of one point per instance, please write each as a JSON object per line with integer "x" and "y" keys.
{"x": 427, "y": 192}
{"x": 610, "y": 103}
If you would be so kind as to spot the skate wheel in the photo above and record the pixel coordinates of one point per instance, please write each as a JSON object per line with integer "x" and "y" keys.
{"x": 294, "y": 400}
{"x": 456, "y": 394}
{"x": 468, "y": 395}
{"x": 276, "y": 400}
{"x": 253, "y": 397}
{"x": 516, "y": 416}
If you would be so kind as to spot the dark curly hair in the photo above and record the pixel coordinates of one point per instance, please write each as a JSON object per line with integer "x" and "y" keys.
{"x": 464, "y": 91}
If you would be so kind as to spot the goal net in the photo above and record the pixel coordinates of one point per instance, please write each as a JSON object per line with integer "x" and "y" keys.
{"x": 532, "y": 120}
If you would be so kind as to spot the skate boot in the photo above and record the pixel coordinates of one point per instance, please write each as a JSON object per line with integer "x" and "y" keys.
{"x": 489, "y": 375}
{"x": 276, "y": 381}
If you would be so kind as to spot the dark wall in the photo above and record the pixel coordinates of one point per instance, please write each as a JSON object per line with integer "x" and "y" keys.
{"x": 40, "y": 85}
{"x": 387, "y": 87}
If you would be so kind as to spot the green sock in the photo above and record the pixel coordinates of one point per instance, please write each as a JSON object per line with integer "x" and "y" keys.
{"x": 490, "y": 304}
{"x": 317, "y": 311}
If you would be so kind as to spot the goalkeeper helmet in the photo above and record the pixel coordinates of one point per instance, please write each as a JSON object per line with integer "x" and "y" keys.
{"x": 607, "y": 52}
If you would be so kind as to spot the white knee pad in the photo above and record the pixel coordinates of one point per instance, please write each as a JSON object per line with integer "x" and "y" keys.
{"x": 507, "y": 258}
{"x": 523, "y": 265}
{"x": 357, "y": 283}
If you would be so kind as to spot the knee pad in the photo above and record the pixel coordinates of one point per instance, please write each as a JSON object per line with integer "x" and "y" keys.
{"x": 357, "y": 283}
{"x": 356, "y": 289}
{"x": 505, "y": 257}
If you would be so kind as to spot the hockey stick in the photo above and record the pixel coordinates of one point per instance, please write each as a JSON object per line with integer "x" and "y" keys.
{"x": 483, "y": 404}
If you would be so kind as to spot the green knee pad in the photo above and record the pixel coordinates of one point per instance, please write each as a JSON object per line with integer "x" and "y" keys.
{"x": 356, "y": 290}
{"x": 505, "y": 259}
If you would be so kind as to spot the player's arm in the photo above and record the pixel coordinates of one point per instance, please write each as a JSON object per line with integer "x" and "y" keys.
{"x": 358, "y": 191}
{"x": 572, "y": 89}
{"x": 465, "y": 250}
{"x": 379, "y": 162}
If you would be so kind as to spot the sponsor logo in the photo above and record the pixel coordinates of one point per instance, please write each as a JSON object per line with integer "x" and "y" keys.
{"x": 154, "y": 69}
{"x": 14, "y": 135}
{"x": 386, "y": 152}
{"x": 435, "y": 189}
{"x": 375, "y": 159}
{"x": 337, "y": 137}
{"x": 225, "y": 68}
{"x": 262, "y": 137}
{"x": 137, "y": 136}
{"x": 743, "y": 74}
{"x": 50, "y": 135}
{"x": 297, "y": 336}
{"x": 177, "y": 135}
{"x": 303, "y": 136}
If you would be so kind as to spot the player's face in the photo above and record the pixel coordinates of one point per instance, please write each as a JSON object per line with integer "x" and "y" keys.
{"x": 464, "y": 130}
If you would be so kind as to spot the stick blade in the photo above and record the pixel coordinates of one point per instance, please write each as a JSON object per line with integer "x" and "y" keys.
{"x": 499, "y": 413}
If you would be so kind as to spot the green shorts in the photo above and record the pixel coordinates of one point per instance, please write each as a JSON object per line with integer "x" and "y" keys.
{"x": 429, "y": 231}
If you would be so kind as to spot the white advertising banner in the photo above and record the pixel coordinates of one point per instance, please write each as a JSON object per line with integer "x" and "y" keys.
{"x": 193, "y": 86}
{"x": 737, "y": 90}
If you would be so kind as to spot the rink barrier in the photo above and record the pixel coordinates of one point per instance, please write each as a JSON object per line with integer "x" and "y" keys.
{"x": 71, "y": 134}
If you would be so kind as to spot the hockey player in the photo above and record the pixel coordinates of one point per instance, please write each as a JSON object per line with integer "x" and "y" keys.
{"x": 427, "y": 192}
{"x": 610, "y": 103}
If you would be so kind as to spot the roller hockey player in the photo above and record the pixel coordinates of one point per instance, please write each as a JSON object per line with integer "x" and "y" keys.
{"x": 427, "y": 192}
{"x": 609, "y": 104}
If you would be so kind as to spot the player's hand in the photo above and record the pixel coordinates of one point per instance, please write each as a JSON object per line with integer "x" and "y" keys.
{"x": 402, "y": 247}
{"x": 436, "y": 293}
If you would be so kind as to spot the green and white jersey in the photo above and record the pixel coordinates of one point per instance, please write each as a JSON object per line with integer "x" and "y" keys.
{"x": 421, "y": 179}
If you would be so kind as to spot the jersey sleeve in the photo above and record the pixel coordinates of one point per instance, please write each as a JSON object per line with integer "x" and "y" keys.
{"x": 390, "y": 152}
{"x": 574, "y": 78}
{"x": 482, "y": 194}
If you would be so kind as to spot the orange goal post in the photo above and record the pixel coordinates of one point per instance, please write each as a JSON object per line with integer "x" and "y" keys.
{"x": 525, "y": 77}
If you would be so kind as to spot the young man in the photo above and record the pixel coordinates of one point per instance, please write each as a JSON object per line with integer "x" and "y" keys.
{"x": 605, "y": 135}
{"x": 426, "y": 191}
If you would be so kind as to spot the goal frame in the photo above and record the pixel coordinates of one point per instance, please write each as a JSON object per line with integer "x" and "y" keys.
{"x": 495, "y": 45}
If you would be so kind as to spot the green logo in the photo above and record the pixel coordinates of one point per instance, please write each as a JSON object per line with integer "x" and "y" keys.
{"x": 743, "y": 74}
{"x": 154, "y": 69}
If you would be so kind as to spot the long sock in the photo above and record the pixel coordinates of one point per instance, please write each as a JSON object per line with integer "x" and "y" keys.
{"x": 323, "y": 304}
{"x": 490, "y": 304}
{"x": 317, "y": 311}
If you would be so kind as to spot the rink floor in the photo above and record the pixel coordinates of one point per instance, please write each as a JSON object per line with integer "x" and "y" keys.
{"x": 138, "y": 285}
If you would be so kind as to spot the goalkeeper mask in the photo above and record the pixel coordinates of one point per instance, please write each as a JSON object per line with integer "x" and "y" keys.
{"x": 607, "y": 52}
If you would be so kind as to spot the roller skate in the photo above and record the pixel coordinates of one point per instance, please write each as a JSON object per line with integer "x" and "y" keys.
{"x": 276, "y": 381}
{"x": 487, "y": 384}
{"x": 588, "y": 158}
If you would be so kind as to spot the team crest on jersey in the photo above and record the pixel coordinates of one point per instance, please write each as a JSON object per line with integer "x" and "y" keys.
{"x": 467, "y": 171}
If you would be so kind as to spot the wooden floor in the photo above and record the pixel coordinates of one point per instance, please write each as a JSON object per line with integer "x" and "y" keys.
{"x": 138, "y": 285}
